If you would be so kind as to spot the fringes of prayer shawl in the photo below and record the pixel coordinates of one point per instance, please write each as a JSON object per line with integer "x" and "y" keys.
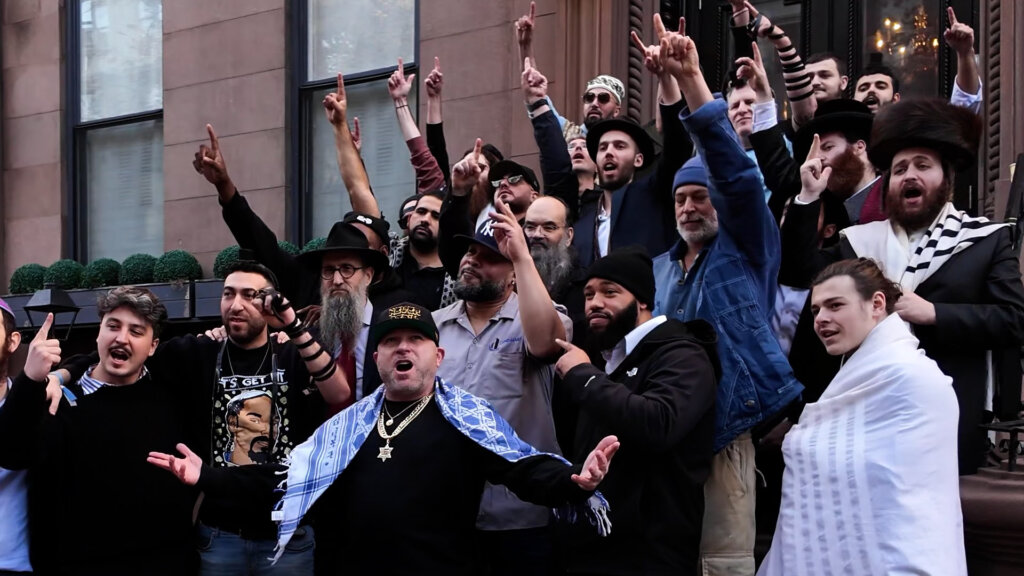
{"x": 318, "y": 461}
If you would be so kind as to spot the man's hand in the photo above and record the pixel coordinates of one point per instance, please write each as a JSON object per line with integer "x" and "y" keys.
{"x": 509, "y": 235}
{"x": 210, "y": 162}
{"x": 534, "y": 84}
{"x": 43, "y": 352}
{"x": 399, "y": 85}
{"x": 652, "y": 53}
{"x": 678, "y": 51}
{"x": 435, "y": 80}
{"x": 915, "y": 309}
{"x": 765, "y": 25}
{"x": 959, "y": 36}
{"x": 595, "y": 468}
{"x": 187, "y": 469}
{"x": 752, "y": 70}
{"x": 467, "y": 171}
{"x": 524, "y": 27}
{"x": 572, "y": 358}
{"x": 813, "y": 175}
{"x": 218, "y": 334}
{"x": 53, "y": 394}
{"x": 274, "y": 307}
{"x": 777, "y": 434}
{"x": 336, "y": 105}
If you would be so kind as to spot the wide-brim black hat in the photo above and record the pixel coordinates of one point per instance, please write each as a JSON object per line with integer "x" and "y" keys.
{"x": 851, "y": 118}
{"x": 346, "y": 238}
{"x": 509, "y": 168}
{"x": 631, "y": 128}
{"x": 952, "y": 131}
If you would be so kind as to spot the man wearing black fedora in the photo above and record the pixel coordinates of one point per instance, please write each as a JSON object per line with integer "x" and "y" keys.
{"x": 347, "y": 267}
{"x": 629, "y": 210}
{"x": 962, "y": 291}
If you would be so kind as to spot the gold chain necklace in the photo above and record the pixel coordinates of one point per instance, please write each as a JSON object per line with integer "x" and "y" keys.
{"x": 386, "y": 449}
{"x": 391, "y": 419}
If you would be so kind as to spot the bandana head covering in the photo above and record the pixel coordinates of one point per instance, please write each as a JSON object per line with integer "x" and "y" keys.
{"x": 611, "y": 84}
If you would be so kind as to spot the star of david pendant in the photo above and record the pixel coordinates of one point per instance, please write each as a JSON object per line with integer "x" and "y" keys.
{"x": 385, "y": 453}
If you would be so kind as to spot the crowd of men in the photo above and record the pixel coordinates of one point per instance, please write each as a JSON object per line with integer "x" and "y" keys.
{"x": 447, "y": 396}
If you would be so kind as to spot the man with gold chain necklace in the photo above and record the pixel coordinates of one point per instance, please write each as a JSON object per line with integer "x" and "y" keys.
{"x": 409, "y": 462}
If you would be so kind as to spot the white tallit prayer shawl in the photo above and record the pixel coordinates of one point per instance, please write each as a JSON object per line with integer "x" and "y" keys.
{"x": 952, "y": 232}
{"x": 318, "y": 461}
{"x": 871, "y": 485}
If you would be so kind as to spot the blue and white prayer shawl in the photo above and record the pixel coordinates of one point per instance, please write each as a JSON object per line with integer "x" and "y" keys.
{"x": 317, "y": 462}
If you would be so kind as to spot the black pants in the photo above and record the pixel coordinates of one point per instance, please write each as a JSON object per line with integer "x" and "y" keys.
{"x": 514, "y": 552}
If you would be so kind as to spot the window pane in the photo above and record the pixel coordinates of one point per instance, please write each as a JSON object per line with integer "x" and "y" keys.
{"x": 351, "y": 36}
{"x": 904, "y": 33}
{"x": 384, "y": 152}
{"x": 120, "y": 57}
{"x": 125, "y": 188}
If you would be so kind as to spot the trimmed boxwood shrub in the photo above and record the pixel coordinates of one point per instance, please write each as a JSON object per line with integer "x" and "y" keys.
{"x": 225, "y": 259}
{"x": 101, "y": 272}
{"x": 65, "y": 274}
{"x": 175, "y": 266}
{"x": 289, "y": 247}
{"x": 27, "y": 278}
{"x": 314, "y": 244}
{"x": 137, "y": 269}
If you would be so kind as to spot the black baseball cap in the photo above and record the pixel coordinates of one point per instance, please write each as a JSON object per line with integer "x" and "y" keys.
{"x": 379, "y": 225}
{"x": 509, "y": 168}
{"x": 403, "y": 315}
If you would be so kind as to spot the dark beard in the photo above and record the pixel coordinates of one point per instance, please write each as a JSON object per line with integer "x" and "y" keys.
{"x": 621, "y": 324}
{"x": 555, "y": 265}
{"x": 423, "y": 243}
{"x": 847, "y": 171}
{"x": 482, "y": 292}
{"x": 934, "y": 201}
{"x": 341, "y": 318}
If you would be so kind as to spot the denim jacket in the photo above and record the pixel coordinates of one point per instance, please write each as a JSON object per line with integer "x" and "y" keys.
{"x": 733, "y": 282}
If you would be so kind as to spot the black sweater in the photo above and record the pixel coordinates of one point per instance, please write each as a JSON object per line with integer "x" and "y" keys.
{"x": 96, "y": 505}
{"x": 660, "y": 402}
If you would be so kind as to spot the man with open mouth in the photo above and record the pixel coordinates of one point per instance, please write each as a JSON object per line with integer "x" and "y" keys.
{"x": 397, "y": 477}
{"x": 961, "y": 280}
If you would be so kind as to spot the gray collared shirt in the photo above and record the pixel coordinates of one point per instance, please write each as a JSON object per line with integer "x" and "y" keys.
{"x": 496, "y": 366}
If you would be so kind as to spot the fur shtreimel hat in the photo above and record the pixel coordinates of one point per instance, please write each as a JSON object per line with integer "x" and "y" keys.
{"x": 952, "y": 131}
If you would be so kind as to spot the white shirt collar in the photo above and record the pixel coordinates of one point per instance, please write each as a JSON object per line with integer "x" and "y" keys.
{"x": 615, "y": 356}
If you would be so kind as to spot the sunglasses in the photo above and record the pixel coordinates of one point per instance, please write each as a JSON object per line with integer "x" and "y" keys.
{"x": 512, "y": 180}
{"x": 603, "y": 97}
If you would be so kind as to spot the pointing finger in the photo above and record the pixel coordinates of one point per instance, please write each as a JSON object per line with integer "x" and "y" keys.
{"x": 682, "y": 26}
{"x": 214, "y": 143}
{"x": 757, "y": 55}
{"x": 815, "y": 147}
{"x": 477, "y": 147}
{"x": 44, "y": 330}
{"x": 659, "y": 26}
{"x": 565, "y": 345}
{"x": 952, "y": 16}
{"x": 341, "y": 86}
{"x": 437, "y": 63}
{"x": 636, "y": 40}
{"x": 526, "y": 64}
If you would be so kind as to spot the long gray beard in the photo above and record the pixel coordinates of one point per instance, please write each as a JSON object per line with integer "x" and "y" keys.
{"x": 555, "y": 266}
{"x": 341, "y": 318}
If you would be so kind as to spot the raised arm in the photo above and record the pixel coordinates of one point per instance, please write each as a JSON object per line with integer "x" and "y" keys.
{"x": 798, "y": 80}
{"x": 455, "y": 216}
{"x": 23, "y": 412}
{"x": 555, "y": 163}
{"x": 428, "y": 174}
{"x": 541, "y": 321}
{"x": 740, "y": 18}
{"x": 435, "y": 125}
{"x": 960, "y": 38}
{"x": 350, "y": 164}
{"x": 524, "y": 36}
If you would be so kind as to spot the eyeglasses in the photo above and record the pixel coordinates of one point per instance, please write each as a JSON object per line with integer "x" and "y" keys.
{"x": 548, "y": 228}
{"x": 603, "y": 97}
{"x": 346, "y": 271}
{"x": 512, "y": 180}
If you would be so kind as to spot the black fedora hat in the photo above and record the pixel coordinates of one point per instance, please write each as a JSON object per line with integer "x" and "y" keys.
{"x": 631, "y": 128}
{"x": 851, "y": 118}
{"x": 346, "y": 238}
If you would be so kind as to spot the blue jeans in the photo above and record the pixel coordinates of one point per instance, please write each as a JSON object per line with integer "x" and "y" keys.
{"x": 226, "y": 554}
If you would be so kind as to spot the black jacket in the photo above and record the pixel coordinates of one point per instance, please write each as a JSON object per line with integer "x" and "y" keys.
{"x": 661, "y": 404}
{"x": 979, "y": 306}
{"x": 781, "y": 172}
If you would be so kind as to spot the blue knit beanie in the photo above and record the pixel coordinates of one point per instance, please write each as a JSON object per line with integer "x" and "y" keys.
{"x": 691, "y": 173}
